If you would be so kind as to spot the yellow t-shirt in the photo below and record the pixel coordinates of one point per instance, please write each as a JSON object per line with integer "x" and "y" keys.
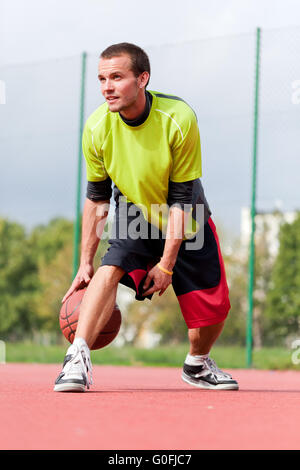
{"x": 141, "y": 160}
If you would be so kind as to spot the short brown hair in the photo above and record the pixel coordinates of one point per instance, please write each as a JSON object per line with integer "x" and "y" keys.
{"x": 139, "y": 59}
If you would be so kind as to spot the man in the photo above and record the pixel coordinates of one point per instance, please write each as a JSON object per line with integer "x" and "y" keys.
{"x": 148, "y": 145}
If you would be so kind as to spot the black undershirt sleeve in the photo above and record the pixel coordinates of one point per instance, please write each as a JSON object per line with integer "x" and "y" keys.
{"x": 181, "y": 194}
{"x": 99, "y": 190}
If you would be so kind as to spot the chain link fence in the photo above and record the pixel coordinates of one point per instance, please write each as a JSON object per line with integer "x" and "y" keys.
{"x": 39, "y": 129}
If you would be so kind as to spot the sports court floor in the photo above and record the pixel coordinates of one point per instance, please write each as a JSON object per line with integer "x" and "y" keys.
{"x": 146, "y": 408}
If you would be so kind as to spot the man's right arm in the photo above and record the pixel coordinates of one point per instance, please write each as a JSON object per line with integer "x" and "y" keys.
{"x": 95, "y": 210}
{"x": 93, "y": 222}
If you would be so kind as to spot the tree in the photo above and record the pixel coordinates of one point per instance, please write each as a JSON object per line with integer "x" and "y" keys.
{"x": 55, "y": 278}
{"x": 283, "y": 300}
{"x": 47, "y": 240}
{"x": 235, "y": 261}
{"x": 18, "y": 282}
{"x": 54, "y": 252}
{"x": 35, "y": 273}
{"x": 161, "y": 315}
{"x": 263, "y": 269}
{"x": 234, "y": 332}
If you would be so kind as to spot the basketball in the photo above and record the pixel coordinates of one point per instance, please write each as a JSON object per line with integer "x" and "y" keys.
{"x": 68, "y": 318}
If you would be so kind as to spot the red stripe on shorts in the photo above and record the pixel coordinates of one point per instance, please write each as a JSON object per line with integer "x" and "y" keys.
{"x": 137, "y": 276}
{"x": 207, "y": 306}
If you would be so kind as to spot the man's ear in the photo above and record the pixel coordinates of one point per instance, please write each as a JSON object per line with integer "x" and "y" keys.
{"x": 144, "y": 78}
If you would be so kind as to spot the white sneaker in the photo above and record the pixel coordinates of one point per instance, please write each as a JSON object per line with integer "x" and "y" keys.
{"x": 76, "y": 367}
{"x": 208, "y": 376}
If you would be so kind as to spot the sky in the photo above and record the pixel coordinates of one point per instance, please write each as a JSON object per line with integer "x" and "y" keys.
{"x": 33, "y": 30}
{"x": 40, "y": 47}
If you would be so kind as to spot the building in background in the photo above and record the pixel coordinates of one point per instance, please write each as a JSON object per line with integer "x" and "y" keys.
{"x": 267, "y": 225}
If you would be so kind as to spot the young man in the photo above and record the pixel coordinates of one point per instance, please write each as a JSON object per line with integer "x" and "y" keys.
{"x": 148, "y": 145}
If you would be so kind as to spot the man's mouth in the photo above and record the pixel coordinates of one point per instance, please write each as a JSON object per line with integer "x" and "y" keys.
{"x": 111, "y": 99}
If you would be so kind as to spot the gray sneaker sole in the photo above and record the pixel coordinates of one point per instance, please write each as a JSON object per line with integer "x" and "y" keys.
{"x": 69, "y": 387}
{"x": 208, "y": 386}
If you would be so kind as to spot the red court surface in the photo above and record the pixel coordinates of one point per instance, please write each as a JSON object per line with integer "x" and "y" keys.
{"x": 146, "y": 408}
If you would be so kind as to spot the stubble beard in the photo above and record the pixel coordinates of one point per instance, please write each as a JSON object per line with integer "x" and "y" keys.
{"x": 127, "y": 104}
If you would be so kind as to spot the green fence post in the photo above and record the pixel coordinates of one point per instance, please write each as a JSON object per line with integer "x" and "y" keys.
{"x": 79, "y": 170}
{"x": 253, "y": 209}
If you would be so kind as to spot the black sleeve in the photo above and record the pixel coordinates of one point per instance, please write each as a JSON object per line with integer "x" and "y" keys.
{"x": 99, "y": 190}
{"x": 180, "y": 194}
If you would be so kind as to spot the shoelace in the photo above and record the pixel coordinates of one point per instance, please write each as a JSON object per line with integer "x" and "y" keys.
{"x": 84, "y": 358}
{"x": 215, "y": 369}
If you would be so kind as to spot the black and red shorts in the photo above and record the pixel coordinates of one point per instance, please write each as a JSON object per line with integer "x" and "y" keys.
{"x": 199, "y": 279}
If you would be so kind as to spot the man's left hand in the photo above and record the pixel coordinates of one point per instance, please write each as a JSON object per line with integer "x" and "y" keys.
{"x": 161, "y": 281}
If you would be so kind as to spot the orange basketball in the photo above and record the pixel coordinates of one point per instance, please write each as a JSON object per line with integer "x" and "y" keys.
{"x": 68, "y": 318}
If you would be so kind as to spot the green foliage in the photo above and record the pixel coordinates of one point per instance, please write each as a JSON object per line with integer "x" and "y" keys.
{"x": 47, "y": 240}
{"x": 55, "y": 278}
{"x": 35, "y": 273}
{"x": 264, "y": 263}
{"x": 169, "y": 322}
{"x": 283, "y": 299}
{"x": 36, "y": 270}
{"x": 227, "y": 357}
{"x": 18, "y": 281}
{"x": 161, "y": 315}
{"x": 52, "y": 250}
{"x": 234, "y": 331}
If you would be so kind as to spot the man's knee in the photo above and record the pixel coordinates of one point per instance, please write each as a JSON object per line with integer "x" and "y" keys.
{"x": 113, "y": 274}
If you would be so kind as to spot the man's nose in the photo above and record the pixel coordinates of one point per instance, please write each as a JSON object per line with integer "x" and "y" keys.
{"x": 108, "y": 85}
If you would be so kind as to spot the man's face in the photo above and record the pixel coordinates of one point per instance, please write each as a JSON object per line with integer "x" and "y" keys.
{"x": 119, "y": 86}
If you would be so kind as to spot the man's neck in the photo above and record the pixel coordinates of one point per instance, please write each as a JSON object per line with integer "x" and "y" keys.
{"x": 141, "y": 118}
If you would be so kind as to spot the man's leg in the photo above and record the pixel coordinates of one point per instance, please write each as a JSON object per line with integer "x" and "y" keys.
{"x": 199, "y": 282}
{"x": 98, "y": 303}
{"x": 199, "y": 369}
{"x": 202, "y": 339}
{"x": 95, "y": 311}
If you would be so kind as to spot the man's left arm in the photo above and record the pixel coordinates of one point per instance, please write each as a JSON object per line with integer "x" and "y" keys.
{"x": 180, "y": 203}
{"x": 186, "y": 153}
{"x": 186, "y": 168}
{"x": 179, "y": 200}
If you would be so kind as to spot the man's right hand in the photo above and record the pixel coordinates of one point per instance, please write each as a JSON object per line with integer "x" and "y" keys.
{"x": 82, "y": 279}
